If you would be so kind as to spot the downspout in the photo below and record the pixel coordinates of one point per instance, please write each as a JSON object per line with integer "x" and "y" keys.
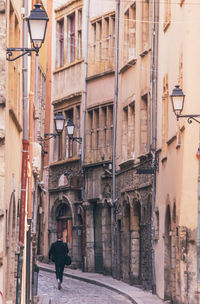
{"x": 198, "y": 230}
{"x": 25, "y": 132}
{"x": 153, "y": 93}
{"x": 114, "y": 195}
{"x": 84, "y": 105}
{"x": 35, "y": 202}
{"x": 25, "y": 146}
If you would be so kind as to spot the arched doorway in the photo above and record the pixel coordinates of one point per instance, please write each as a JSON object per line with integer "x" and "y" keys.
{"x": 64, "y": 223}
{"x": 167, "y": 269}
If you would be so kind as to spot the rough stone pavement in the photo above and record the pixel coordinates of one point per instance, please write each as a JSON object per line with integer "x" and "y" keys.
{"x": 134, "y": 294}
{"x": 74, "y": 291}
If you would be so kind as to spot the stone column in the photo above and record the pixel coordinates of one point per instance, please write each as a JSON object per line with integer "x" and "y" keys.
{"x": 106, "y": 239}
{"x": 90, "y": 261}
{"x": 135, "y": 248}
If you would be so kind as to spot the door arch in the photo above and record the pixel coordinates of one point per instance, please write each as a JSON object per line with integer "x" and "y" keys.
{"x": 64, "y": 222}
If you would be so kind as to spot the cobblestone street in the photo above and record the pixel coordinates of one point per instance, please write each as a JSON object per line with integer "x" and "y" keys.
{"x": 76, "y": 292}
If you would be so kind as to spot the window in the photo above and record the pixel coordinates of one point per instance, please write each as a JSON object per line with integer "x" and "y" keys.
{"x": 71, "y": 38}
{"x": 131, "y": 130}
{"x": 106, "y": 38}
{"x": 112, "y": 38}
{"x": 125, "y": 134}
{"x": 79, "y": 34}
{"x": 130, "y": 34}
{"x": 96, "y": 126}
{"x": 102, "y": 44}
{"x": 14, "y": 67}
{"x": 144, "y": 125}
{"x": 94, "y": 41}
{"x": 69, "y": 45}
{"x": 41, "y": 103}
{"x": 146, "y": 18}
{"x": 167, "y": 16}
{"x": 104, "y": 125}
{"x": 99, "y": 133}
{"x": 72, "y": 148}
{"x": 128, "y": 132}
{"x": 99, "y": 39}
{"x": 60, "y": 43}
{"x": 90, "y": 129}
{"x": 68, "y": 140}
{"x": 165, "y": 102}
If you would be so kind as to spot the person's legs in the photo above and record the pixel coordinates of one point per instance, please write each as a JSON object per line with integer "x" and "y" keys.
{"x": 58, "y": 274}
{"x": 62, "y": 266}
{"x": 57, "y": 271}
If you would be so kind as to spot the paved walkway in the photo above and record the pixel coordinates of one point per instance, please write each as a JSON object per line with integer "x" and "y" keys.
{"x": 136, "y": 295}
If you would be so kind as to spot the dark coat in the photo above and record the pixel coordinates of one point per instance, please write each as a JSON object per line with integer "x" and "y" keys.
{"x": 58, "y": 252}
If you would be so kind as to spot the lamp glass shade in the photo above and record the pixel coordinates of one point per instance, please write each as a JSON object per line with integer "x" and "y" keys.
{"x": 37, "y": 25}
{"x": 37, "y": 31}
{"x": 177, "y": 98}
{"x": 70, "y": 128}
{"x": 59, "y": 121}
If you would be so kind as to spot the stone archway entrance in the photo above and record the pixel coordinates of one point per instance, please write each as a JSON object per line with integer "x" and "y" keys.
{"x": 64, "y": 223}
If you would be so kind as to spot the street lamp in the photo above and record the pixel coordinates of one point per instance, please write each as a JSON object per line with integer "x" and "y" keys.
{"x": 70, "y": 131}
{"x": 37, "y": 26}
{"x": 177, "y": 98}
{"x": 59, "y": 122}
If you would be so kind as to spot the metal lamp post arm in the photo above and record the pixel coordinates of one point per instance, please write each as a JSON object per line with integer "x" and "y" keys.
{"x": 190, "y": 117}
{"x": 78, "y": 139}
{"x": 9, "y": 52}
{"x": 48, "y": 136}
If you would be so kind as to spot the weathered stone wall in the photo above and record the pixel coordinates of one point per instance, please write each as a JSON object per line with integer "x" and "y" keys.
{"x": 2, "y": 134}
{"x": 134, "y": 210}
{"x": 65, "y": 181}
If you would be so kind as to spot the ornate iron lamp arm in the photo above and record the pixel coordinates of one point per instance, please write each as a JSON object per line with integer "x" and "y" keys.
{"x": 190, "y": 118}
{"x": 48, "y": 136}
{"x": 9, "y": 52}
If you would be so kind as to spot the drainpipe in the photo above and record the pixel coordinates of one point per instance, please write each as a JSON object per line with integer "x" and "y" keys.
{"x": 85, "y": 70}
{"x": 34, "y": 229}
{"x": 25, "y": 132}
{"x": 114, "y": 196}
{"x": 35, "y": 204}
{"x": 84, "y": 105}
{"x": 25, "y": 146}
{"x": 198, "y": 231}
{"x": 153, "y": 93}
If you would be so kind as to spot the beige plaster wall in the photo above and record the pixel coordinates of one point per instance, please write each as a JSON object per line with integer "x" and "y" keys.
{"x": 177, "y": 176}
{"x": 100, "y": 90}
{"x": 99, "y": 8}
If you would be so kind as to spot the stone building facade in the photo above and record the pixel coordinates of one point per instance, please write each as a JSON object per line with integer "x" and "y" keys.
{"x": 177, "y": 202}
{"x": 2, "y": 139}
{"x": 80, "y": 191}
{"x": 11, "y": 135}
{"x": 65, "y": 211}
{"x": 134, "y": 145}
{"x": 17, "y": 93}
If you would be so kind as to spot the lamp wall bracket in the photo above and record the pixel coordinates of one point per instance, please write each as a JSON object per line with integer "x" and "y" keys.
{"x": 190, "y": 118}
{"x": 48, "y": 136}
{"x": 9, "y": 52}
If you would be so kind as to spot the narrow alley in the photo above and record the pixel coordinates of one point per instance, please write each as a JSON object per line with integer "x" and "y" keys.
{"x": 76, "y": 291}
{"x": 92, "y": 288}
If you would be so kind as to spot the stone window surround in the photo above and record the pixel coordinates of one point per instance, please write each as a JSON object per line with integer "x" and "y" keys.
{"x": 78, "y": 35}
{"x": 102, "y": 41}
